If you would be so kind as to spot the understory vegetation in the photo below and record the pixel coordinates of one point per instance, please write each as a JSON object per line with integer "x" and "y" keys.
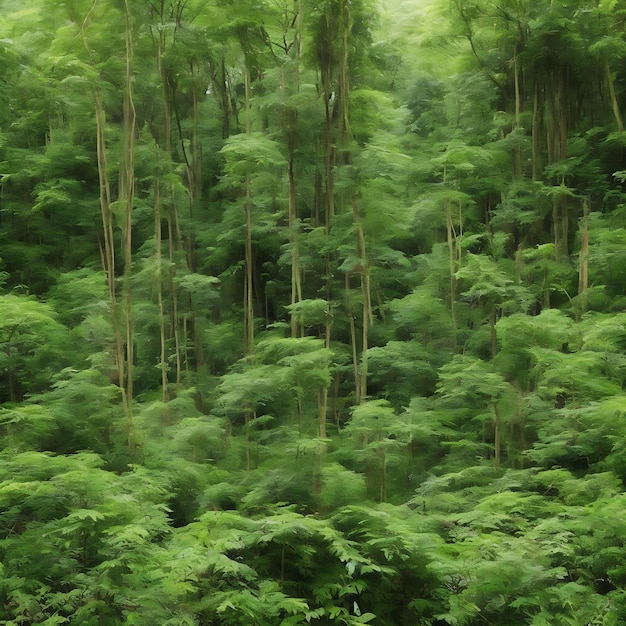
{"x": 312, "y": 312}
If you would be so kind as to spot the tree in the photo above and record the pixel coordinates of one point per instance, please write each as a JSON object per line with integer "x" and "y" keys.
{"x": 31, "y": 345}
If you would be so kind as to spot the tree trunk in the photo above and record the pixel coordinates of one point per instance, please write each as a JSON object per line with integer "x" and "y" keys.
{"x": 290, "y": 117}
{"x": 127, "y": 192}
{"x": 173, "y": 223}
{"x": 583, "y": 261}
{"x": 249, "y": 278}
{"x": 614, "y": 103}
{"x": 492, "y": 332}
{"x": 451, "y": 262}
{"x": 517, "y": 151}
{"x": 354, "y": 348}
{"x": 108, "y": 254}
{"x": 535, "y": 135}
{"x": 159, "y": 289}
{"x": 497, "y": 435}
{"x": 322, "y": 405}
{"x": 367, "y": 315}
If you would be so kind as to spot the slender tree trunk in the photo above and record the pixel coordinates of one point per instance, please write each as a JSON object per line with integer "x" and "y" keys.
{"x": 322, "y": 406}
{"x": 451, "y": 262}
{"x": 249, "y": 416}
{"x": 517, "y": 152}
{"x": 583, "y": 261}
{"x": 175, "y": 322}
{"x": 296, "y": 273}
{"x": 127, "y": 192}
{"x": 173, "y": 223}
{"x": 353, "y": 345}
{"x": 614, "y": 102}
{"x": 344, "y": 83}
{"x": 556, "y": 136}
{"x": 107, "y": 228}
{"x": 249, "y": 277}
{"x": 290, "y": 121}
{"x": 329, "y": 164}
{"x": 535, "y": 135}
{"x": 563, "y": 122}
{"x": 109, "y": 244}
{"x": 497, "y": 456}
{"x": 225, "y": 100}
{"x": 492, "y": 332}
{"x": 159, "y": 289}
{"x": 367, "y": 315}
{"x": 556, "y": 226}
{"x": 383, "y": 479}
{"x": 105, "y": 196}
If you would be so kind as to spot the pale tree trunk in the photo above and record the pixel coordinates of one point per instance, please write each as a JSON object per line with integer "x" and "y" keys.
{"x": 353, "y": 346}
{"x": 322, "y": 396}
{"x": 159, "y": 289}
{"x": 248, "y": 295}
{"x": 248, "y": 417}
{"x": 175, "y": 323}
{"x": 497, "y": 436}
{"x": 556, "y": 225}
{"x": 344, "y": 83}
{"x": 344, "y": 133}
{"x": 127, "y": 192}
{"x": 224, "y": 92}
{"x": 367, "y": 315}
{"x": 614, "y": 103}
{"x": 556, "y": 139}
{"x": 535, "y": 135}
{"x": 296, "y": 272}
{"x": 492, "y": 332}
{"x": 329, "y": 210}
{"x": 249, "y": 277}
{"x": 452, "y": 253}
{"x": 105, "y": 197}
{"x": 563, "y": 218}
{"x": 173, "y": 225}
{"x": 583, "y": 261}
{"x": 249, "y": 273}
{"x": 195, "y": 188}
{"x": 383, "y": 477}
{"x": 108, "y": 250}
{"x": 192, "y": 157}
{"x": 290, "y": 121}
{"x": 451, "y": 262}
{"x": 517, "y": 152}
{"x": 324, "y": 183}
{"x": 322, "y": 405}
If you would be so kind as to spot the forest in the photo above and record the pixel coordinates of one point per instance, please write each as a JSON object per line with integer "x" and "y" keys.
{"x": 312, "y": 312}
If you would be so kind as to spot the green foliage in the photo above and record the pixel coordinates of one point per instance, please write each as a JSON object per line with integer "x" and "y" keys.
{"x": 31, "y": 345}
{"x": 417, "y": 207}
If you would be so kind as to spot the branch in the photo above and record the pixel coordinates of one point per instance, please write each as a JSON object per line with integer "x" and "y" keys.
{"x": 470, "y": 38}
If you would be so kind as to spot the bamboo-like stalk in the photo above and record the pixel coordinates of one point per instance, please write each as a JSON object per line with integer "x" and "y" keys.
{"x": 617, "y": 113}
{"x": 159, "y": 289}
{"x": 583, "y": 260}
{"x": 127, "y": 192}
